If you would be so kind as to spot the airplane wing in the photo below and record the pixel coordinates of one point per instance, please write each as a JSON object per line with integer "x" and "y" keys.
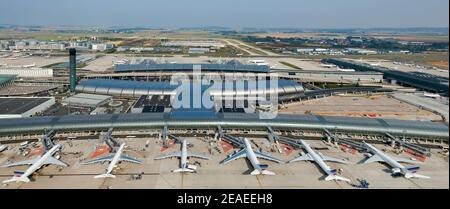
{"x": 268, "y": 157}
{"x": 331, "y": 159}
{"x": 198, "y": 155}
{"x": 373, "y": 158}
{"x": 242, "y": 153}
{"x": 304, "y": 157}
{"x": 129, "y": 159}
{"x": 100, "y": 159}
{"x": 404, "y": 160}
{"x": 25, "y": 162}
{"x": 54, "y": 161}
{"x": 173, "y": 154}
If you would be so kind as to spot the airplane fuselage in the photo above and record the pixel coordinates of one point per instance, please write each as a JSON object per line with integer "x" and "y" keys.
{"x": 183, "y": 160}
{"x": 38, "y": 164}
{"x": 316, "y": 157}
{"x": 391, "y": 162}
{"x": 251, "y": 155}
{"x": 115, "y": 159}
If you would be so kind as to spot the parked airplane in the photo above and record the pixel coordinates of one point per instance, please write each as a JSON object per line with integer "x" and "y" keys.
{"x": 259, "y": 62}
{"x": 327, "y": 65}
{"x": 430, "y": 95}
{"x": 28, "y": 66}
{"x": 345, "y": 70}
{"x": 3, "y": 148}
{"x": 113, "y": 158}
{"x": 375, "y": 64}
{"x": 36, "y": 164}
{"x": 320, "y": 160}
{"x": 253, "y": 156}
{"x": 183, "y": 155}
{"x": 397, "y": 168}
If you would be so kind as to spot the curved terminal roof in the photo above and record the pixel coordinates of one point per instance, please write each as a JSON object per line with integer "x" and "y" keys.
{"x": 231, "y": 120}
{"x": 139, "y": 88}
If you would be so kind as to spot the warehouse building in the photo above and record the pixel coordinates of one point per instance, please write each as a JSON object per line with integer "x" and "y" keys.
{"x": 22, "y": 107}
{"x": 27, "y": 72}
{"x": 87, "y": 100}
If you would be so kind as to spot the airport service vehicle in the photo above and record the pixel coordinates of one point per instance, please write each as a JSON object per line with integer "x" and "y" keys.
{"x": 247, "y": 151}
{"x": 183, "y": 155}
{"x": 320, "y": 159}
{"x": 397, "y": 168}
{"x": 36, "y": 164}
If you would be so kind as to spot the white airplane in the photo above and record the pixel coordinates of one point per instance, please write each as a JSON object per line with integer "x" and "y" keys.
{"x": 327, "y": 65}
{"x": 259, "y": 62}
{"x": 345, "y": 70}
{"x": 183, "y": 155}
{"x": 28, "y": 66}
{"x": 375, "y": 64}
{"x": 320, "y": 160}
{"x": 430, "y": 95}
{"x": 397, "y": 168}
{"x": 247, "y": 151}
{"x": 36, "y": 164}
{"x": 3, "y": 148}
{"x": 113, "y": 158}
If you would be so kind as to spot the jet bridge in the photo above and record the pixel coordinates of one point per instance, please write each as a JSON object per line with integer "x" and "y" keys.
{"x": 272, "y": 136}
{"x": 164, "y": 135}
{"x": 47, "y": 139}
{"x": 177, "y": 140}
{"x": 232, "y": 140}
{"x": 333, "y": 138}
{"x": 402, "y": 143}
{"x": 291, "y": 142}
{"x": 112, "y": 143}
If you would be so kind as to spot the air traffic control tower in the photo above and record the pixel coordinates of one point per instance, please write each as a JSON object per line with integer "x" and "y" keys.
{"x": 73, "y": 69}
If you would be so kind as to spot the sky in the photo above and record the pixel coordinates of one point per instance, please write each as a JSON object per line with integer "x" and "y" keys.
{"x": 228, "y": 13}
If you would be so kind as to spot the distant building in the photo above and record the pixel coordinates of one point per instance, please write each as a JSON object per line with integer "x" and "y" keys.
{"x": 360, "y": 51}
{"x": 101, "y": 47}
{"x": 141, "y": 49}
{"x": 198, "y": 44}
{"x": 87, "y": 100}
{"x": 21, "y": 107}
{"x": 198, "y": 50}
{"x": 304, "y": 50}
{"x": 27, "y": 72}
{"x": 35, "y": 45}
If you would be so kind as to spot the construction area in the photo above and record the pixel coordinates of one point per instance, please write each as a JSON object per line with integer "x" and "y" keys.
{"x": 375, "y": 106}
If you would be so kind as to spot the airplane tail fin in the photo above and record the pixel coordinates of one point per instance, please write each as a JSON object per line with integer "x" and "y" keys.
{"x": 183, "y": 170}
{"x": 106, "y": 175}
{"x": 263, "y": 172}
{"x": 17, "y": 179}
{"x": 415, "y": 175}
{"x": 333, "y": 177}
